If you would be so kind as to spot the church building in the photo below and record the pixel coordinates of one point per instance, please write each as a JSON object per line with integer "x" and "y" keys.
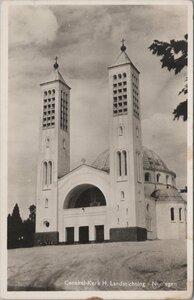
{"x": 127, "y": 194}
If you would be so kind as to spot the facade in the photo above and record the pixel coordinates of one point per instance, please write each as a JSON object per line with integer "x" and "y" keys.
{"x": 127, "y": 194}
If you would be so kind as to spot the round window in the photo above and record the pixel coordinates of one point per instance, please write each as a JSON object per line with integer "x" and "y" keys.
{"x": 46, "y": 223}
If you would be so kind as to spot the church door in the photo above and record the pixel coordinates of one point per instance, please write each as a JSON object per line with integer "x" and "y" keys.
{"x": 84, "y": 234}
{"x": 99, "y": 233}
{"x": 70, "y": 235}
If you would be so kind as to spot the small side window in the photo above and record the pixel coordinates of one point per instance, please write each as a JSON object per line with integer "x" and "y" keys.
{"x": 158, "y": 177}
{"x": 180, "y": 214}
{"x": 46, "y": 223}
{"x": 120, "y": 130}
{"x": 172, "y": 213}
{"x": 46, "y": 203}
{"x": 122, "y": 195}
{"x": 47, "y": 142}
{"x": 147, "y": 177}
{"x": 137, "y": 132}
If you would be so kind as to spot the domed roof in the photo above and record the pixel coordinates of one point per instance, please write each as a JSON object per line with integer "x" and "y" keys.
{"x": 167, "y": 194}
{"x": 151, "y": 161}
{"x": 102, "y": 161}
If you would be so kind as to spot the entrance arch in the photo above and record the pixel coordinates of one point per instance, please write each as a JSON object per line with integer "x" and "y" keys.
{"x": 84, "y": 195}
{"x": 78, "y": 207}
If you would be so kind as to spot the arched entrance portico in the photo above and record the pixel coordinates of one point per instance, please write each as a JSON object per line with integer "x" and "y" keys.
{"x": 84, "y": 200}
{"x": 84, "y": 205}
{"x": 84, "y": 195}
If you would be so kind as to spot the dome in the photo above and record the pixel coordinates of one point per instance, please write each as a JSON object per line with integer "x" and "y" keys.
{"x": 167, "y": 194}
{"x": 102, "y": 161}
{"x": 151, "y": 161}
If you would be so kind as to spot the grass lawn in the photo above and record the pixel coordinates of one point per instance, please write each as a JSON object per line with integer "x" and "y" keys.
{"x": 150, "y": 265}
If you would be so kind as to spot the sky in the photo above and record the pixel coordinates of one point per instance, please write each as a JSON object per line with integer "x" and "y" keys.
{"x": 87, "y": 39}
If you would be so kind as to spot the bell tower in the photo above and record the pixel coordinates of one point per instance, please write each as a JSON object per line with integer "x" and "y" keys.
{"x": 54, "y": 153}
{"x": 126, "y": 156}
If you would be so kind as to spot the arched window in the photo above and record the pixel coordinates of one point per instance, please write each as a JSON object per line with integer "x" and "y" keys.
{"x": 172, "y": 213}
{"x": 180, "y": 214}
{"x": 46, "y": 203}
{"x": 49, "y": 172}
{"x": 122, "y": 195}
{"x": 45, "y": 172}
{"x": 158, "y": 177}
{"x": 148, "y": 207}
{"x": 167, "y": 179}
{"x": 120, "y": 130}
{"x": 119, "y": 163}
{"x": 119, "y": 76}
{"x": 124, "y": 75}
{"x": 125, "y": 162}
{"x": 147, "y": 176}
{"x": 115, "y": 77}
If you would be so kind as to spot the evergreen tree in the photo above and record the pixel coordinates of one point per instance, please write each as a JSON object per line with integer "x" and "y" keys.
{"x": 21, "y": 233}
{"x": 15, "y": 228}
{"x": 9, "y": 232}
{"x": 174, "y": 57}
{"x": 29, "y": 227}
{"x": 32, "y": 215}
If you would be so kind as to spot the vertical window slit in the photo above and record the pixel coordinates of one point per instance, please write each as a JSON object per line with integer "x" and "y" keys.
{"x": 119, "y": 163}
{"x": 172, "y": 213}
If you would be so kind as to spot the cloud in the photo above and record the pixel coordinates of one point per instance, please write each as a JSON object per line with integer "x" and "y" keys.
{"x": 87, "y": 39}
{"x": 104, "y": 27}
{"x": 31, "y": 25}
{"x": 168, "y": 139}
{"x": 89, "y": 120}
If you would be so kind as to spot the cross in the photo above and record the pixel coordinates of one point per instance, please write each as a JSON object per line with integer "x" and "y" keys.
{"x": 123, "y": 47}
{"x": 123, "y": 40}
{"x": 56, "y": 64}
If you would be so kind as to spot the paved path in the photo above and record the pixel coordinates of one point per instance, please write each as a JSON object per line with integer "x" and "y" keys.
{"x": 146, "y": 265}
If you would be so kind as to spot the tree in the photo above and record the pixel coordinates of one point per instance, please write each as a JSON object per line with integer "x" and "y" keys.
{"x": 29, "y": 227}
{"x": 32, "y": 215}
{"x": 15, "y": 228}
{"x": 174, "y": 57}
{"x": 21, "y": 233}
{"x": 9, "y": 232}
